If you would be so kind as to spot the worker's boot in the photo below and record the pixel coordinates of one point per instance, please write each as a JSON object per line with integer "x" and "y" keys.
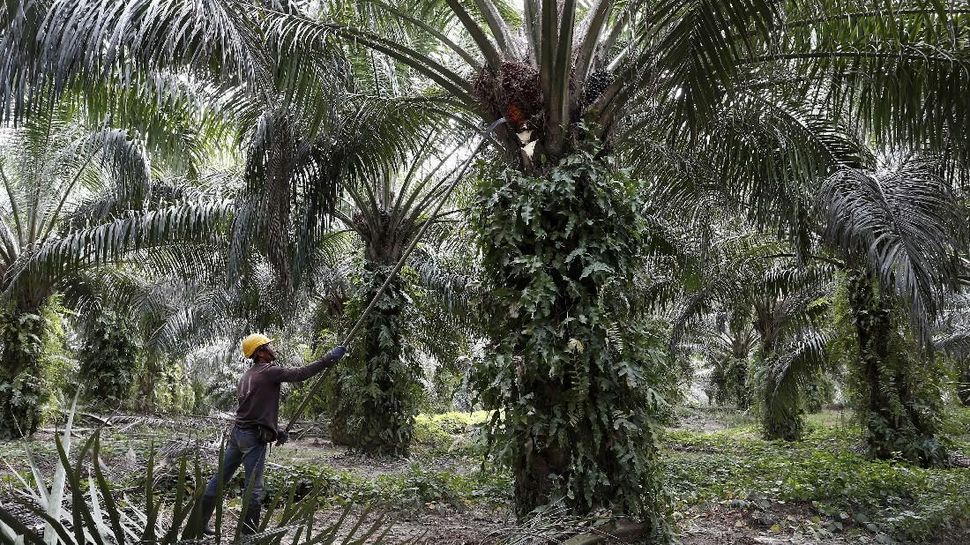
{"x": 250, "y": 524}
{"x": 208, "y": 507}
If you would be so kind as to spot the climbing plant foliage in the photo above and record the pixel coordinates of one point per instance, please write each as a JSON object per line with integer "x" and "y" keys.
{"x": 730, "y": 382}
{"x": 109, "y": 359}
{"x": 573, "y": 367}
{"x": 377, "y": 388}
{"x": 22, "y": 390}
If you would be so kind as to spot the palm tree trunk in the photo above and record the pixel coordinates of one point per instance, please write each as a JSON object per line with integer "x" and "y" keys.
{"x": 570, "y": 369}
{"x": 377, "y": 392}
{"x": 21, "y": 382}
{"x": 537, "y": 469}
{"x": 782, "y": 415}
{"x": 895, "y": 398}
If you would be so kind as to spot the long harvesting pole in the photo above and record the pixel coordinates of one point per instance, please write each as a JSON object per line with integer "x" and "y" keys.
{"x": 486, "y": 136}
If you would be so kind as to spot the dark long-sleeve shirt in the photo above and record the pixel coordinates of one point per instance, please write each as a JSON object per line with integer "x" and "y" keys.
{"x": 259, "y": 391}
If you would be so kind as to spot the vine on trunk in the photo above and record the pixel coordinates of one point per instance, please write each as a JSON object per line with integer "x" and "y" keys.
{"x": 23, "y": 389}
{"x": 377, "y": 389}
{"x": 109, "y": 360}
{"x": 730, "y": 382}
{"x": 899, "y": 386}
{"x": 573, "y": 370}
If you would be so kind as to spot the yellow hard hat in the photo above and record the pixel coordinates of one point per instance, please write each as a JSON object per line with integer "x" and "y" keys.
{"x": 252, "y": 342}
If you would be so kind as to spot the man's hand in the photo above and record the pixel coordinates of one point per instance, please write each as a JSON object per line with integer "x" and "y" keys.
{"x": 282, "y": 436}
{"x": 336, "y": 353}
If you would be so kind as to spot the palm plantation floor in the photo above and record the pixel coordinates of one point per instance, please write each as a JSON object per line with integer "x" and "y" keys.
{"x": 726, "y": 485}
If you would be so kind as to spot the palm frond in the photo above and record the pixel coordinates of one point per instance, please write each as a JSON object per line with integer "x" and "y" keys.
{"x": 955, "y": 344}
{"x": 701, "y": 45}
{"x": 310, "y": 34}
{"x": 61, "y": 43}
{"x": 894, "y": 70}
{"x": 794, "y": 365}
{"x": 109, "y": 242}
{"x": 904, "y": 224}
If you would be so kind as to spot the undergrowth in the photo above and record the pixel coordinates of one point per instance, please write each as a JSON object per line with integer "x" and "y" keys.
{"x": 826, "y": 479}
{"x": 847, "y": 490}
{"x": 413, "y": 490}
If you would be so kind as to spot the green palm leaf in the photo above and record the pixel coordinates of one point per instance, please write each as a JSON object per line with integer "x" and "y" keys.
{"x": 903, "y": 224}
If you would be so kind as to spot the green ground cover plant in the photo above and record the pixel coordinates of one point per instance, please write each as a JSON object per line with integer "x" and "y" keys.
{"x": 827, "y": 470}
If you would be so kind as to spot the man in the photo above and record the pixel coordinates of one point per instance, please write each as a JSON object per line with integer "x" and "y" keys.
{"x": 256, "y": 422}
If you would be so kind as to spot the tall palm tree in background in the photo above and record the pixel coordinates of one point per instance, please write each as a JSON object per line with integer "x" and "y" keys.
{"x": 788, "y": 315}
{"x": 895, "y": 234}
{"x": 727, "y": 344}
{"x": 75, "y": 197}
{"x": 173, "y": 301}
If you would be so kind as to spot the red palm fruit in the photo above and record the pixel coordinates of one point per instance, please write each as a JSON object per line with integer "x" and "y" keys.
{"x": 514, "y": 115}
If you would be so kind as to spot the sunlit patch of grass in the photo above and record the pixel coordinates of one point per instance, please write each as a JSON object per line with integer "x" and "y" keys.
{"x": 451, "y": 432}
{"x": 831, "y": 418}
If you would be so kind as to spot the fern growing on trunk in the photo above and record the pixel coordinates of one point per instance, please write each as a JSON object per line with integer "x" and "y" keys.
{"x": 377, "y": 389}
{"x": 573, "y": 371}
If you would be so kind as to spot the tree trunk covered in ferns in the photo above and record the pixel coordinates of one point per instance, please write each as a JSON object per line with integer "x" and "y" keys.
{"x": 572, "y": 367}
{"x": 376, "y": 388}
{"x": 782, "y": 413}
{"x": 900, "y": 400}
{"x": 22, "y": 390}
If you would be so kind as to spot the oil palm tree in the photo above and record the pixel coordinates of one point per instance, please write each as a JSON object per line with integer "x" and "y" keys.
{"x": 74, "y": 198}
{"x": 894, "y": 232}
{"x": 729, "y": 349}
{"x": 283, "y": 98}
{"x": 789, "y": 316}
{"x": 353, "y": 150}
{"x": 303, "y": 133}
{"x": 174, "y": 302}
{"x": 900, "y": 231}
{"x": 377, "y": 394}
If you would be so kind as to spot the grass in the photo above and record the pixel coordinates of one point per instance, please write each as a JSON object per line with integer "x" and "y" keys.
{"x": 451, "y": 432}
{"x": 413, "y": 490}
{"x": 846, "y": 490}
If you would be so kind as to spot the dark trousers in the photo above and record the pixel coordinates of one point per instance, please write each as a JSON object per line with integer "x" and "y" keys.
{"x": 246, "y": 448}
